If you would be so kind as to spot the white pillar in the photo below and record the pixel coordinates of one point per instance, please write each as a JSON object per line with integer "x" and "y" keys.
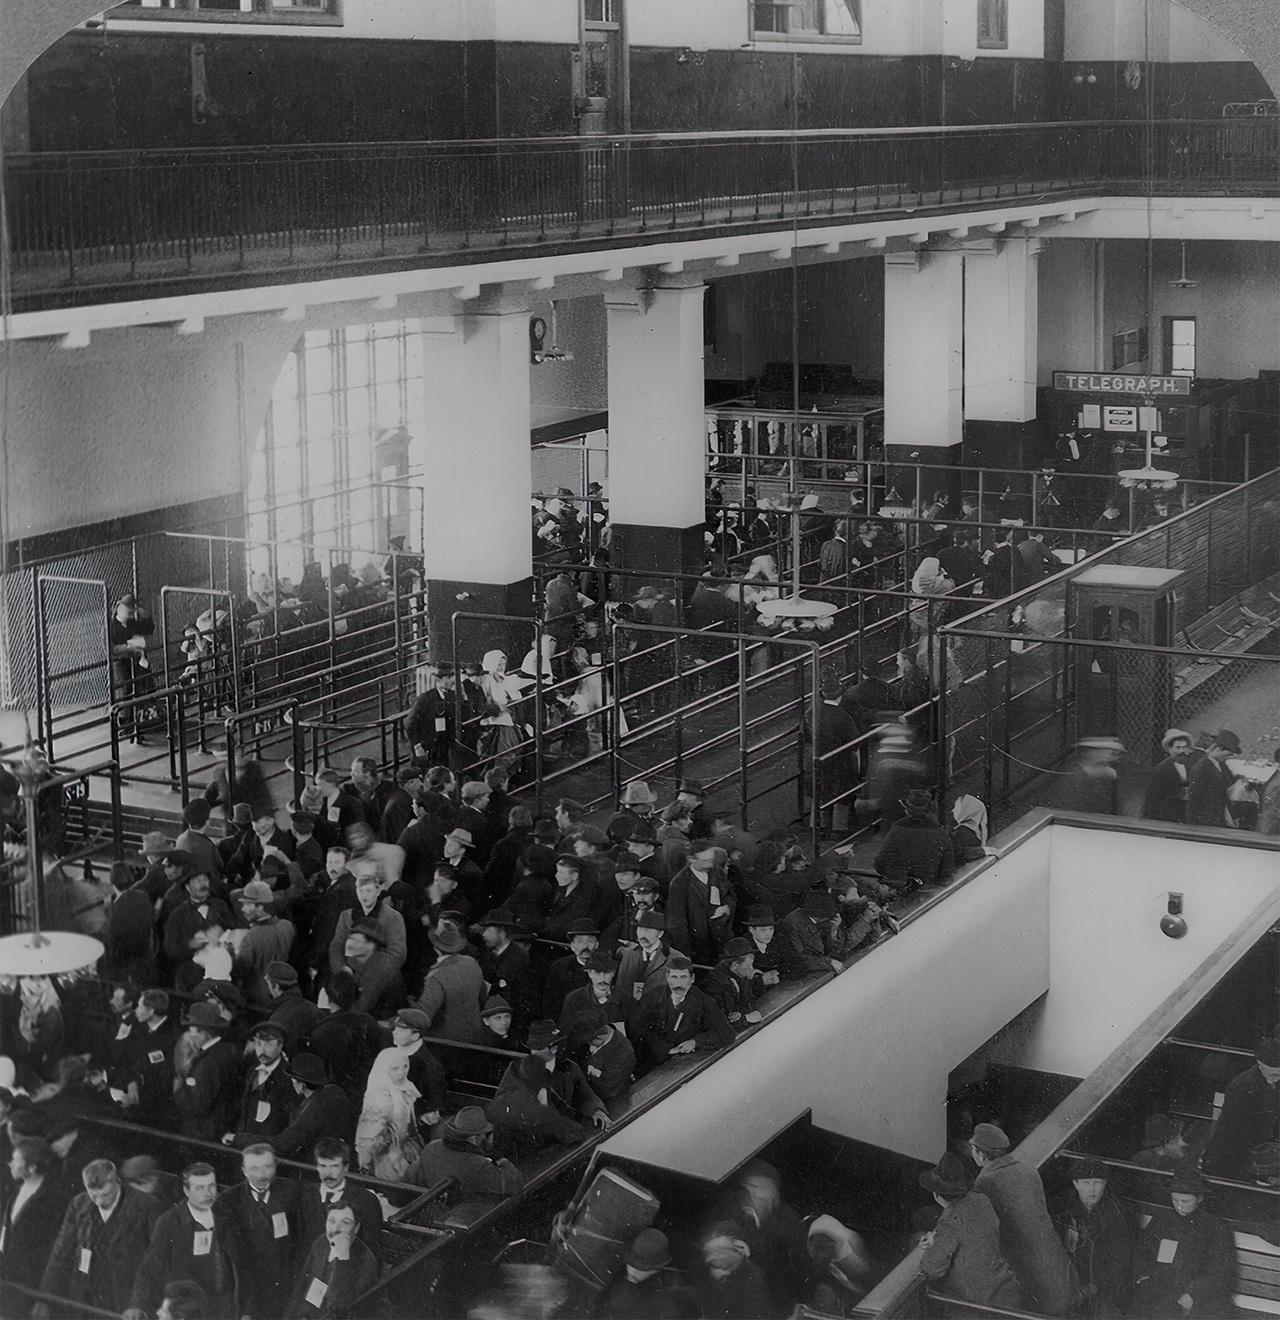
{"x": 477, "y": 475}
{"x": 923, "y": 350}
{"x": 1001, "y": 307}
{"x": 657, "y": 427}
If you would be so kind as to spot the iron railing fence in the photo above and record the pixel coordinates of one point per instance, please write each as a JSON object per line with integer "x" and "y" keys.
{"x": 120, "y": 218}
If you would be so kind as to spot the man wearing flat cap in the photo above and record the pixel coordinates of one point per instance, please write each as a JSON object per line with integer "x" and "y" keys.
{"x": 207, "y": 1097}
{"x": 464, "y": 1151}
{"x": 453, "y": 991}
{"x": 379, "y": 987}
{"x": 269, "y": 939}
{"x": 1028, "y": 1239}
{"x": 805, "y": 934}
{"x": 1208, "y": 782}
{"x": 268, "y": 1095}
{"x": 677, "y": 1018}
{"x": 1250, "y": 1116}
{"x": 1098, "y": 1231}
{"x": 1185, "y": 1264}
{"x": 962, "y": 1254}
{"x": 1166, "y": 796}
{"x": 288, "y": 1008}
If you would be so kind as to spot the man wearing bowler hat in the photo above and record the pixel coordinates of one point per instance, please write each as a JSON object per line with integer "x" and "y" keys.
{"x": 454, "y": 987}
{"x": 1028, "y": 1239}
{"x": 1185, "y": 1264}
{"x": 207, "y": 1097}
{"x": 505, "y": 964}
{"x": 962, "y": 1254}
{"x": 644, "y": 1289}
{"x": 464, "y": 1151}
{"x": 1098, "y": 1233}
{"x": 1208, "y": 782}
{"x": 765, "y": 954}
{"x": 599, "y": 992}
{"x": 570, "y": 971}
{"x": 497, "y": 1031}
{"x": 643, "y": 966}
{"x": 268, "y": 1095}
{"x": 323, "y": 1109}
{"x": 731, "y": 983}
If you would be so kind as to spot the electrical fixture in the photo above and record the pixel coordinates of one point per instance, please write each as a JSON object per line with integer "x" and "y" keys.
{"x": 1173, "y": 923}
{"x": 1182, "y": 282}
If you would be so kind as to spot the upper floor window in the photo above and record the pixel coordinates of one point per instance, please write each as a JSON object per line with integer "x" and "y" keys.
{"x": 808, "y": 20}
{"x": 993, "y": 24}
{"x": 234, "y": 11}
{"x": 601, "y": 11}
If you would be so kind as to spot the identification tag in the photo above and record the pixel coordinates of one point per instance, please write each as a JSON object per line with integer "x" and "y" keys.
{"x": 4, "y": 1232}
{"x": 279, "y": 1224}
{"x": 315, "y": 1294}
{"x": 202, "y": 1242}
{"x": 191, "y": 1081}
{"x": 1166, "y": 1251}
{"x": 332, "y": 814}
{"x": 593, "y": 1071}
{"x": 123, "y": 1033}
{"x": 262, "y": 1112}
{"x": 155, "y": 1056}
{"x": 86, "y": 1260}
{"x": 440, "y": 724}
{"x": 637, "y": 988}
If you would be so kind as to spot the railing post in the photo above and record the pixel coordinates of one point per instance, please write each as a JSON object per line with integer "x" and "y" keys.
{"x": 184, "y": 771}
{"x": 744, "y": 742}
{"x": 615, "y": 715}
{"x": 537, "y": 716}
{"x": 117, "y": 822}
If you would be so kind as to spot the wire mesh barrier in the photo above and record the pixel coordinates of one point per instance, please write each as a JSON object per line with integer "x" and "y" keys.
{"x": 1177, "y": 628}
{"x": 107, "y": 219}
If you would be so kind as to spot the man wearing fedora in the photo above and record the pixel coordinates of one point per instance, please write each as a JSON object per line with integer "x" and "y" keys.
{"x": 207, "y": 1097}
{"x": 506, "y": 966}
{"x": 1209, "y": 780}
{"x": 962, "y": 1254}
{"x": 599, "y": 992}
{"x": 731, "y": 983}
{"x": 1185, "y": 1263}
{"x": 1166, "y": 796}
{"x": 644, "y": 1289}
{"x": 570, "y": 971}
{"x": 268, "y": 1095}
{"x": 643, "y": 965}
{"x": 464, "y": 1151}
{"x": 1028, "y": 1239}
{"x": 379, "y": 988}
{"x": 454, "y": 987}
{"x": 637, "y": 804}
{"x": 677, "y": 1018}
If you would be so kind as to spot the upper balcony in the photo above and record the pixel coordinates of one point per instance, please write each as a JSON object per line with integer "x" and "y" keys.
{"x": 99, "y": 227}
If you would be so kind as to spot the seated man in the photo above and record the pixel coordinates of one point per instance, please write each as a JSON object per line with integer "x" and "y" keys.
{"x": 338, "y": 1267}
{"x": 608, "y": 1059}
{"x": 1250, "y": 1116}
{"x": 805, "y": 935}
{"x": 1165, "y": 1144}
{"x": 1098, "y": 1233}
{"x": 917, "y": 849}
{"x": 1185, "y": 1263}
{"x": 731, "y": 983}
{"x": 677, "y": 1018}
{"x": 464, "y": 1152}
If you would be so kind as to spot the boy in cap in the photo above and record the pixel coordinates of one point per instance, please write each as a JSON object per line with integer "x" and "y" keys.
{"x": 962, "y": 1254}
{"x": 1099, "y": 1235}
{"x": 1185, "y": 1264}
{"x": 1028, "y": 1238}
{"x": 497, "y": 1025}
{"x": 731, "y": 983}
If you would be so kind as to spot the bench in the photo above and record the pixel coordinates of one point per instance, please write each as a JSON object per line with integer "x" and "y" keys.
{"x": 1238, "y": 624}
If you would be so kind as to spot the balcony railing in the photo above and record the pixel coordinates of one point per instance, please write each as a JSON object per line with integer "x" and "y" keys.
{"x": 84, "y": 226}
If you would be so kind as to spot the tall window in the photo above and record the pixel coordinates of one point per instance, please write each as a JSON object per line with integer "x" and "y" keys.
{"x": 993, "y": 24}
{"x": 808, "y": 20}
{"x": 345, "y": 401}
{"x": 1180, "y": 345}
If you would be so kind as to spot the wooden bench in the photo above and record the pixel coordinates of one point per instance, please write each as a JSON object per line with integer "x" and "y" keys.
{"x": 1238, "y": 624}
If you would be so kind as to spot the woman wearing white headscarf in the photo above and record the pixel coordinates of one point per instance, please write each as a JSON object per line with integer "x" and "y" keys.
{"x": 840, "y": 1257}
{"x": 387, "y": 1141}
{"x": 501, "y": 692}
{"x": 39, "y": 1022}
{"x": 969, "y": 833}
{"x": 928, "y": 580}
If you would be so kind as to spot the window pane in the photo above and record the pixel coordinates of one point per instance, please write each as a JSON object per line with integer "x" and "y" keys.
{"x": 843, "y": 18}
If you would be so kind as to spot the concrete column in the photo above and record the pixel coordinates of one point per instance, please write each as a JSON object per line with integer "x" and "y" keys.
{"x": 1001, "y": 308}
{"x": 478, "y": 478}
{"x": 923, "y": 354}
{"x": 657, "y": 432}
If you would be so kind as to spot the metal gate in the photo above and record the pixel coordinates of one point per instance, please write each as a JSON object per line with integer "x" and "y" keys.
{"x": 73, "y": 660}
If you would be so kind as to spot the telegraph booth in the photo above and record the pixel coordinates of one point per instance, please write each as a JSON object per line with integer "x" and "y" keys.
{"x": 1128, "y": 695}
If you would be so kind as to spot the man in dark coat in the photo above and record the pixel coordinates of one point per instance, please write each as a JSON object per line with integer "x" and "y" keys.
{"x": 104, "y": 1236}
{"x": 288, "y": 1009}
{"x": 1208, "y": 782}
{"x": 599, "y": 992}
{"x": 543, "y": 1098}
{"x": 27, "y": 1229}
{"x": 803, "y": 936}
{"x": 198, "y": 912}
{"x": 962, "y": 1255}
{"x": 577, "y": 898}
{"x": 1166, "y": 796}
{"x": 335, "y": 1270}
{"x": 208, "y": 1096}
{"x": 836, "y": 766}
{"x": 397, "y": 810}
{"x": 333, "y": 1163}
{"x": 348, "y": 1039}
{"x": 505, "y": 963}
{"x": 1250, "y": 1116}
{"x": 569, "y": 972}
{"x": 268, "y": 1095}
{"x": 607, "y": 1057}
{"x": 431, "y": 726}
{"x": 677, "y": 1018}
{"x": 916, "y": 849}
{"x": 731, "y": 983}
{"x": 464, "y": 1153}
{"x": 643, "y": 1290}
{"x": 425, "y": 1071}
{"x": 261, "y": 1218}
{"x": 131, "y": 944}
{"x": 1099, "y": 1235}
{"x": 500, "y": 870}
{"x": 700, "y": 906}
{"x": 322, "y": 1109}
{"x": 870, "y": 701}
{"x": 1028, "y": 1239}
{"x": 188, "y": 1242}
{"x": 147, "y": 1060}
{"x": 1185, "y": 1264}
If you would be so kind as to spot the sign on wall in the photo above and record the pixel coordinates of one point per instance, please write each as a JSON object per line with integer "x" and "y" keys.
{"x": 1101, "y": 382}
{"x": 1119, "y": 419}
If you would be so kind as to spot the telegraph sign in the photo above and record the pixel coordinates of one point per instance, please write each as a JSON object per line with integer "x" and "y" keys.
{"x": 1098, "y": 382}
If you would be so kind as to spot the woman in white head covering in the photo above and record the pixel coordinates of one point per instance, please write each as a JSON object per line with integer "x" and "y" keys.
{"x": 928, "y": 580}
{"x": 502, "y": 691}
{"x": 969, "y": 834}
{"x": 840, "y": 1257}
{"x": 387, "y": 1141}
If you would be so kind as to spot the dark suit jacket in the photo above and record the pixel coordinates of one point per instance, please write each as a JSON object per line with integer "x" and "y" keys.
{"x": 1207, "y": 786}
{"x": 735, "y": 997}
{"x": 27, "y": 1238}
{"x": 327, "y": 1112}
{"x": 657, "y": 1024}
{"x": 367, "y": 1207}
{"x": 344, "y": 1280}
{"x": 564, "y": 975}
{"x": 265, "y": 1250}
{"x": 1166, "y": 797}
{"x": 117, "y": 1248}
{"x": 610, "y": 1069}
{"x": 185, "y": 921}
{"x": 691, "y": 926}
{"x": 277, "y": 1093}
{"x": 208, "y": 1099}
{"x": 172, "y": 1255}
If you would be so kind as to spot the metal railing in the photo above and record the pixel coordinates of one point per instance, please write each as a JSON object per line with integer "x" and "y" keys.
{"x": 119, "y": 218}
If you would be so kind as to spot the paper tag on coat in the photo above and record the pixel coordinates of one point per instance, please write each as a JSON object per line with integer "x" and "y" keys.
{"x": 123, "y": 1033}
{"x": 1166, "y": 1251}
{"x": 86, "y": 1260}
{"x": 593, "y": 1071}
{"x": 262, "y": 1113}
{"x": 332, "y": 814}
{"x": 155, "y": 1056}
{"x": 202, "y": 1242}
{"x": 440, "y": 724}
{"x": 279, "y": 1224}
{"x": 315, "y": 1294}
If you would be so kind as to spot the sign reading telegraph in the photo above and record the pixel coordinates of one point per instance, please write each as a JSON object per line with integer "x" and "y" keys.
{"x": 1094, "y": 382}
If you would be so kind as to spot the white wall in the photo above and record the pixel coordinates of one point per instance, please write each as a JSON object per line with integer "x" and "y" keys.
{"x": 1126, "y": 30}
{"x": 1109, "y": 964}
{"x": 563, "y": 389}
{"x": 871, "y": 1051}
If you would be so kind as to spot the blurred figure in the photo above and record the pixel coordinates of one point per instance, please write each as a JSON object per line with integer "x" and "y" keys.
{"x": 1089, "y": 782}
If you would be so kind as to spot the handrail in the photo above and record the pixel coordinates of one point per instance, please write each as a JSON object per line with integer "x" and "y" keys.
{"x": 1213, "y": 1180}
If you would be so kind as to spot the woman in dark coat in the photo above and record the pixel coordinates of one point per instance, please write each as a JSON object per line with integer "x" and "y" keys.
{"x": 917, "y": 850}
